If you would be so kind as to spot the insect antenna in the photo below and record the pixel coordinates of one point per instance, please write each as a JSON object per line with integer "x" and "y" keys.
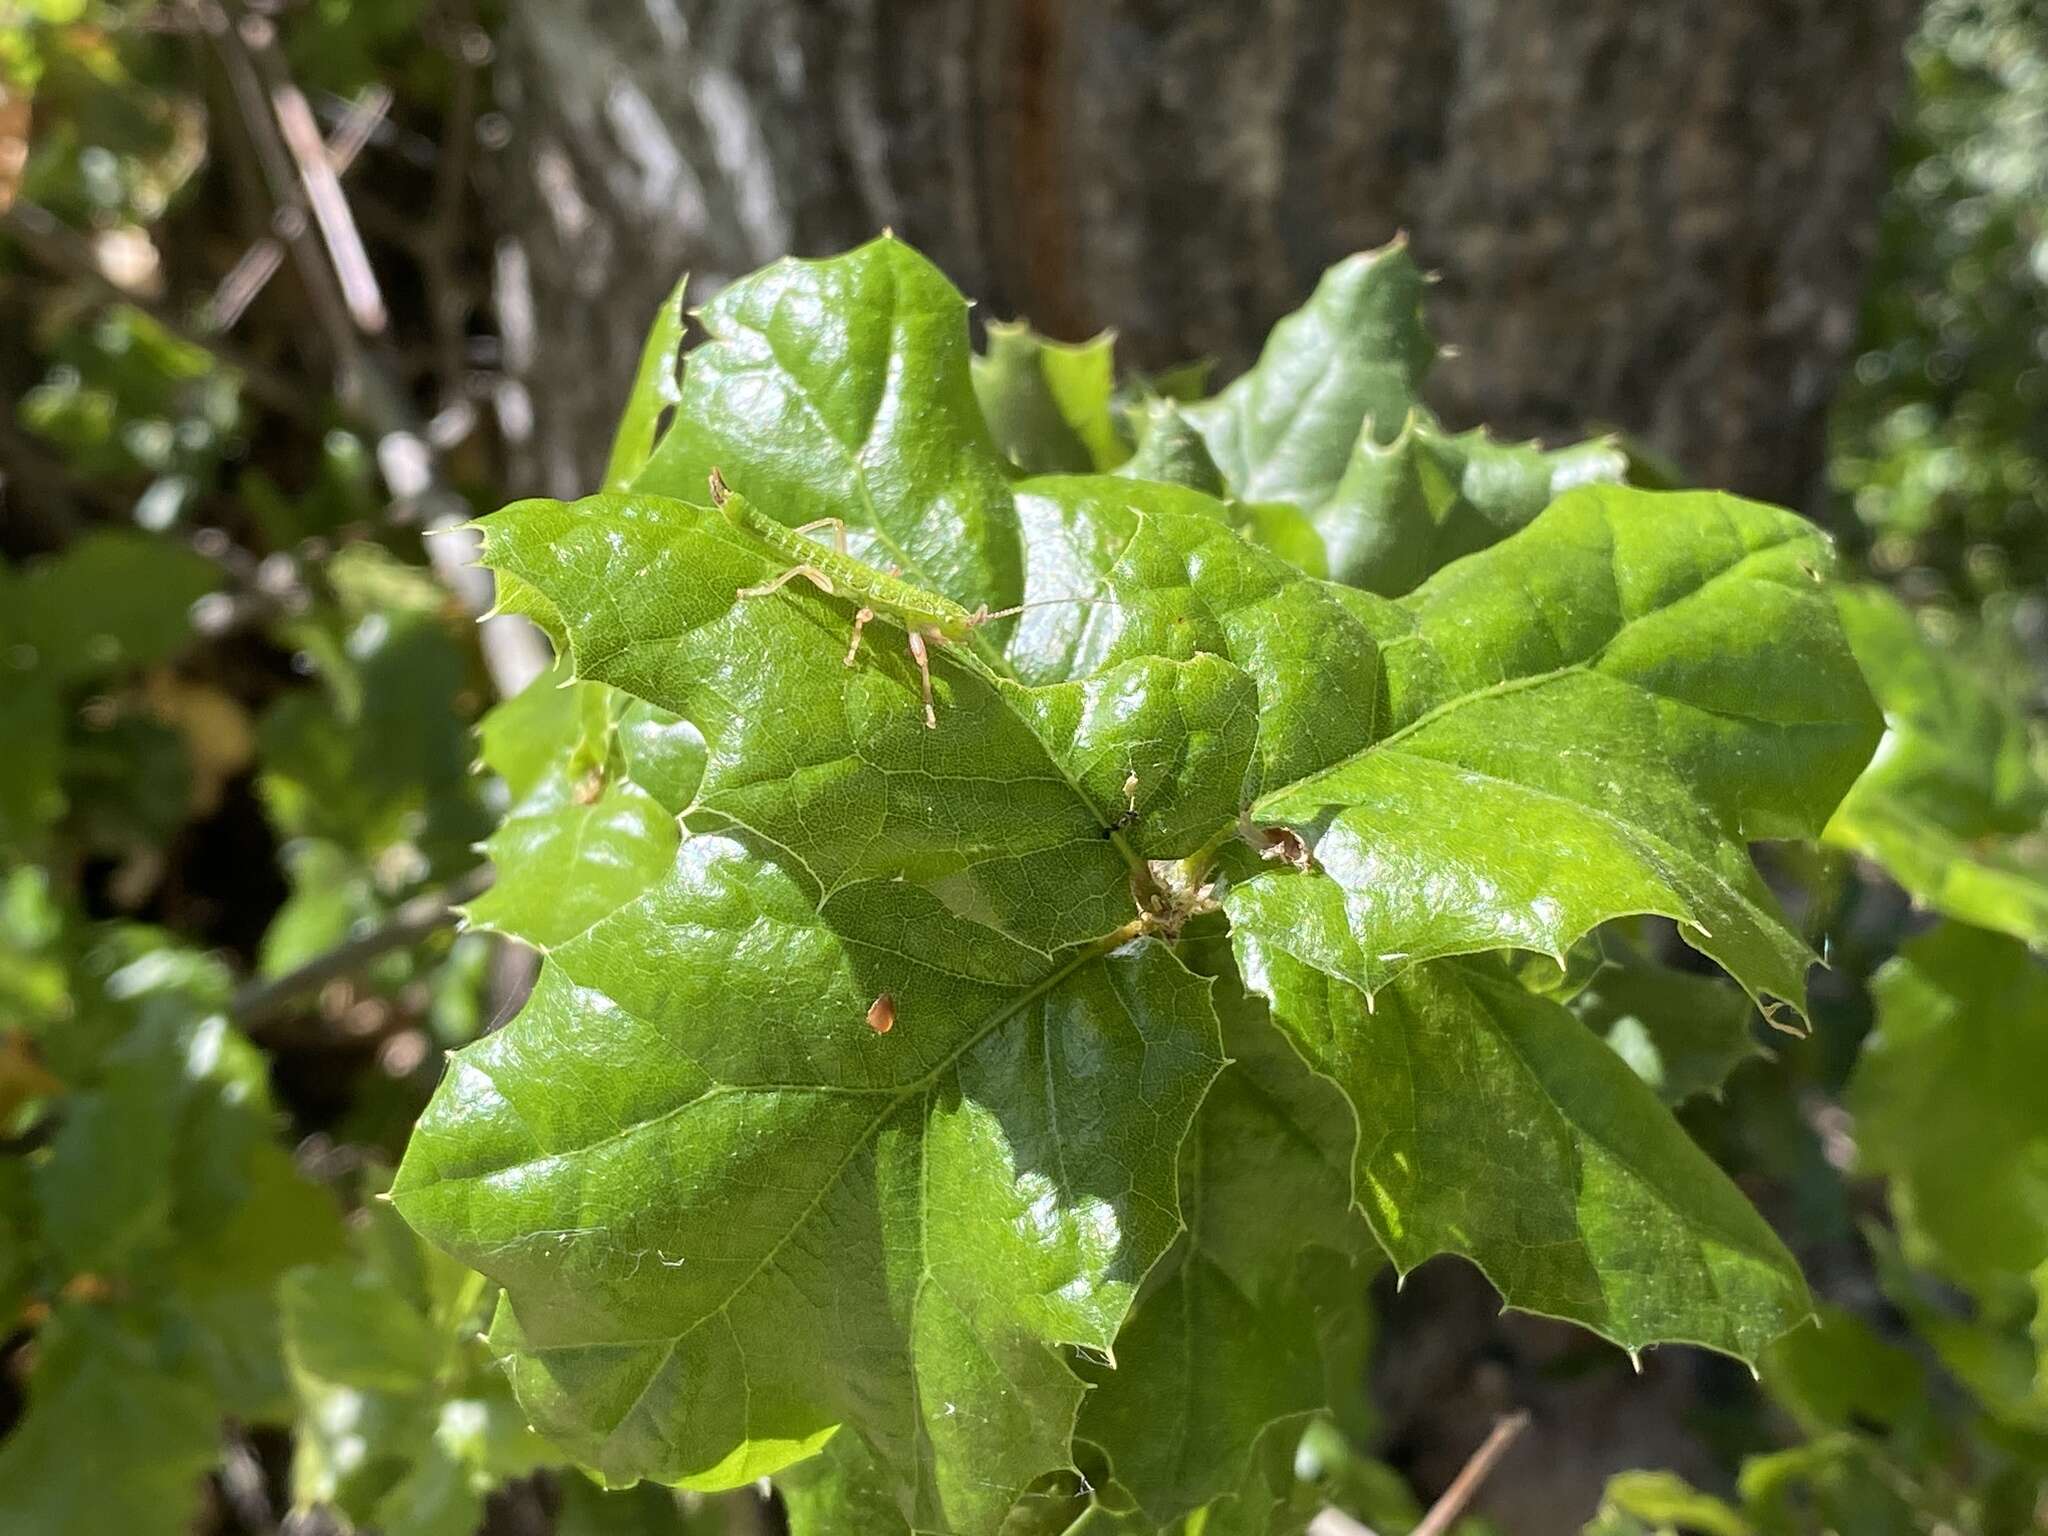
{"x": 986, "y": 616}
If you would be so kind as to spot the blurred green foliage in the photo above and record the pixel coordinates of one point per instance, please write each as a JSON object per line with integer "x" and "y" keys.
{"x": 237, "y": 723}
{"x": 1940, "y": 444}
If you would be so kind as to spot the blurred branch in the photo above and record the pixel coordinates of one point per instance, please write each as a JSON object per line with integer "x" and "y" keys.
{"x": 442, "y": 239}
{"x": 1451, "y": 1503}
{"x": 514, "y": 651}
{"x": 292, "y": 218}
{"x": 322, "y": 191}
{"x": 259, "y": 263}
{"x": 260, "y": 1002}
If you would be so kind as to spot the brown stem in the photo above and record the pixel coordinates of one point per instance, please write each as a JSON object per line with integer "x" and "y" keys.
{"x": 1451, "y": 1503}
{"x": 260, "y": 1002}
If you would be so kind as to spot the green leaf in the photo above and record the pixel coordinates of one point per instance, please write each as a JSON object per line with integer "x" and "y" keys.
{"x": 165, "y": 1189}
{"x": 1170, "y": 450}
{"x": 1165, "y": 577}
{"x": 657, "y": 387}
{"x": 1680, "y": 1032}
{"x": 1295, "y": 1473}
{"x": 404, "y": 1421}
{"x": 1024, "y": 1150}
{"x": 1406, "y": 509}
{"x": 1082, "y": 1502}
{"x": 352, "y": 1328}
{"x": 35, "y": 984}
{"x": 2039, "y": 1333}
{"x": 1330, "y": 422}
{"x": 1349, "y": 363}
{"x": 840, "y": 389}
{"x": 104, "y": 1195}
{"x": 736, "y": 1224}
{"x": 108, "y": 1443}
{"x": 1503, "y": 1130}
{"x": 1587, "y": 721}
{"x": 1953, "y": 804}
{"x": 1654, "y": 1503}
{"x": 648, "y": 1510}
{"x": 435, "y": 1498}
{"x": 31, "y": 769}
{"x": 219, "y": 1314}
{"x": 1837, "y": 1374}
{"x": 1948, "y": 1104}
{"x": 840, "y": 1489}
{"x": 1991, "y": 1346}
{"x": 332, "y": 892}
{"x": 1836, "y": 1483}
{"x": 127, "y": 784}
{"x": 1048, "y": 402}
{"x": 601, "y": 780}
{"x": 780, "y": 921}
{"x": 1226, "y": 1340}
{"x": 377, "y": 761}
{"x": 113, "y": 600}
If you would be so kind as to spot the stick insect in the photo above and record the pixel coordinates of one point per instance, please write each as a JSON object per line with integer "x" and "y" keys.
{"x": 926, "y": 617}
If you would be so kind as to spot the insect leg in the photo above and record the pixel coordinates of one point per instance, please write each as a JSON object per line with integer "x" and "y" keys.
{"x": 859, "y": 623}
{"x": 810, "y": 573}
{"x": 919, "y": 655}
{"x": 836, "y": 524}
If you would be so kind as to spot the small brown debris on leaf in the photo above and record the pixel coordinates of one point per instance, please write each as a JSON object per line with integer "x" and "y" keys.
{"x": 1283, "y": 845}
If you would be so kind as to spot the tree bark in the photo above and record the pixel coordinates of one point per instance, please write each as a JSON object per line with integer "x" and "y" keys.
{"x": 1648, "y": 214}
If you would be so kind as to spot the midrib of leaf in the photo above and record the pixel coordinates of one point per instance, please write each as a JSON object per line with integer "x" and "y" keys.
{"x": 1634, "y": 831}
{"x": 899, "y": 1097}
{"x": 1195, "y": 1151}
{"x": 707, "y": 524}
{"x": 856, "y": 461}
{"x": 1480, "y": 986}
{"x": 1696, "y": 1230}
{"x": 1509, "y": 685}
{"x": 1140, "y": 871}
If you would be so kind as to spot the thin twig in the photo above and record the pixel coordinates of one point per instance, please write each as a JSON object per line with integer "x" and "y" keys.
{"x": 1451, "y": 1503}
{"x": 259, "y": 1002}
{"x": 514, "y": 651}
{"x": 322, "y": 188}
{"x": 240, "y": 1475}
{"x": 441, "y": 240}
{"x": 358, "y": 126}
{"x": 292, "y": 221}
{"x": 259, "y": 263}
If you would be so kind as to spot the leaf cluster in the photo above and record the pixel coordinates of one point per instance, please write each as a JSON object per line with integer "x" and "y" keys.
{"x": 1200, "y": 909}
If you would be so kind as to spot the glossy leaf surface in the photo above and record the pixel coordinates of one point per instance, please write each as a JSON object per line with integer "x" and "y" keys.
{"x": 737, "y": 1223}
{"x": 1952, "y": 806}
